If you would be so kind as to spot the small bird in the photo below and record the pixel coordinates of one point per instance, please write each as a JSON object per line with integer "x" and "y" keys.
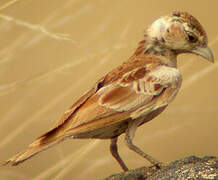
{"x": 131, "y": 94}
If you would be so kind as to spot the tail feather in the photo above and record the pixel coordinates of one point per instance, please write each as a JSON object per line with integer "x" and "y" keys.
{"x": 40, "y": 144}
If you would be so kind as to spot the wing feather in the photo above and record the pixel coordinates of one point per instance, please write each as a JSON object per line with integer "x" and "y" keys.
{"x": 79, "y": 103}
{"x": 135, "y": 94}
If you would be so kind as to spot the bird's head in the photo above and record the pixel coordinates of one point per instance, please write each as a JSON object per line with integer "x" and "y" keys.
{"x": 181, "y": 33}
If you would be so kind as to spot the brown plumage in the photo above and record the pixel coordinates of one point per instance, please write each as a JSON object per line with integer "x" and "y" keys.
{"x": 133, "y": 93}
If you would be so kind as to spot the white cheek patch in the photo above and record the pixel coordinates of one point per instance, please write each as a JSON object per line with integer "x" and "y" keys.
{"x": 158, "y": 27}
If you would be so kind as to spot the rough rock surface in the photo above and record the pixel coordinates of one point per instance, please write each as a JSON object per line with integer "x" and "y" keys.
{"x": 187, "y": 168}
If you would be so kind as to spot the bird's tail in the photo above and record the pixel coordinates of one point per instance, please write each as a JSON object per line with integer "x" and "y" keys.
{"x": 40, "y": 144}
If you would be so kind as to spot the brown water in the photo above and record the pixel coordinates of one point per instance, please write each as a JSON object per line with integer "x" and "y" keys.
{"x": 43, "y": 72}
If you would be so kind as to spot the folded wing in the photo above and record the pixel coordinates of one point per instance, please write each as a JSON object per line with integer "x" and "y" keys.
{"x": 135, "y": 94}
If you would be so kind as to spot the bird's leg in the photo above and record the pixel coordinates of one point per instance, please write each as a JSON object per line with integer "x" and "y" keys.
{"x": 130, "y": 133}
{"x": 115, "y": 154}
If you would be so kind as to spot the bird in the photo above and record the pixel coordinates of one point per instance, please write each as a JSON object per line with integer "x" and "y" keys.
{"x": 131, "y": 94}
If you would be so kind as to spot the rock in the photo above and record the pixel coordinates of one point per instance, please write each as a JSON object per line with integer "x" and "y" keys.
{"x": 187, "y": 168}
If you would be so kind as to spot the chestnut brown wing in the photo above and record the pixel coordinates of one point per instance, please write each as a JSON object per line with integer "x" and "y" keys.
{"x": 126, "y": 98}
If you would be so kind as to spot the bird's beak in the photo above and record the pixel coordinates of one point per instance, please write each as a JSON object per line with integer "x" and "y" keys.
{"x": 204, "y": 52}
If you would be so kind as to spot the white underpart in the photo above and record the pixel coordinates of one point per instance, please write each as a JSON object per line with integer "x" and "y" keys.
{"x": 166, "y": 75}
{"x": 158, "y": 27}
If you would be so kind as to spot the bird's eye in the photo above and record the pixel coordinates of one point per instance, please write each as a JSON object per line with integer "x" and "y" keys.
{"x": 192, "y": 38}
